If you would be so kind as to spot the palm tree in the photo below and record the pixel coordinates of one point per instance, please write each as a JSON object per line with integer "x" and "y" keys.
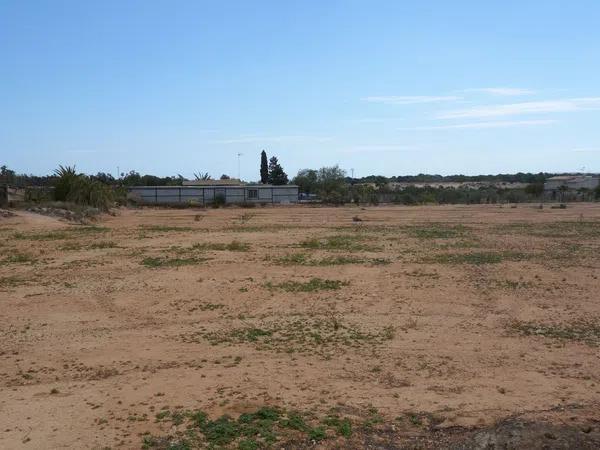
{"x": 202, "y": 176}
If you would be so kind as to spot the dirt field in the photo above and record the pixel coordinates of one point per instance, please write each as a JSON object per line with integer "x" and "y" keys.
{"x": 388, "y": 327}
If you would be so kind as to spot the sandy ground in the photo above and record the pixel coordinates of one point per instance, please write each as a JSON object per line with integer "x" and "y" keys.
{"x": 469, "y": 314}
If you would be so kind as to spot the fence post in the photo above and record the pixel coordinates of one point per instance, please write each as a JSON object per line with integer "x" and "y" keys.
{"x": 4, "y": 195}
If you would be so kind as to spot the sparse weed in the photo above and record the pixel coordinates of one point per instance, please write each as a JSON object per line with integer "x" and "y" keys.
{"x": 306, "y": 335}
{"x": 513, "y": 284}
{"x": 233, "y": 246}
{"x": 567, "y": 229}
{"x": 12, "y": 281}
{"x": 48, "y": 236}
{"x": 164, "y": 228}
{"x": 584, "y": 330}
{"x": 103, "y": 244}
{"x": 171, "y": 262}
{"x": 314, "y": 284}
{"x": 475, "y": 258}
{"x": 437, "y": 231}
{"x": 345, "y": 242}
{"x": 303, "y": 259}
{"x": 18, "y": 258}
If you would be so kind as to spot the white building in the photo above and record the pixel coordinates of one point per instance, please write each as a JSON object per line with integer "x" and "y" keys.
{"x": 572, "y": 182}
{"x": 211, "y": 193}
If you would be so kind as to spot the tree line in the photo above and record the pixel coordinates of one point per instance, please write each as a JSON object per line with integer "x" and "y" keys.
{"x": 327, "y": 184}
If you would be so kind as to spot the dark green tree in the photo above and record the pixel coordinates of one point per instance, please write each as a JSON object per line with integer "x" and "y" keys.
{"x": 264, "y": 168}
{"x": 276, "y": 174}
{"x": 306, "y": 181}
{"x": 536, "y": 189}
{"x": 6, "y": 175}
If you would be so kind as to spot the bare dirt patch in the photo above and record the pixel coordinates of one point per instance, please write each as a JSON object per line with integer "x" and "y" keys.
{"x": 415, "y": 327}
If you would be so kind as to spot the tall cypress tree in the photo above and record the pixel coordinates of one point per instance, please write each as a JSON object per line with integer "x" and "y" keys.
{"x": 264, "y": 168}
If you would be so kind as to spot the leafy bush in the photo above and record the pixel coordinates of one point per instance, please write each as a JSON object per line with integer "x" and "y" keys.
{"x": 332, "y": 186}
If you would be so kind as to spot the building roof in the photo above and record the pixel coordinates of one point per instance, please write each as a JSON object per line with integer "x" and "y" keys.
{"x": 571, "y": 177}
{"x": 226, "y": 182}
{"x": 251, "y": 186}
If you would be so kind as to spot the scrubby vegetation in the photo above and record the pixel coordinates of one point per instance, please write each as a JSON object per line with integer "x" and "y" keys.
{"x": 308, "y": 335}
{"x": 82, "y": 189}
{"x": 262, "y": 428}
{"x": 328, "y": 184}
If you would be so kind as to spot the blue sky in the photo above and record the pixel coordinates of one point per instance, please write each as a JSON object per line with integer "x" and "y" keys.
{"x": 384, "y": 87}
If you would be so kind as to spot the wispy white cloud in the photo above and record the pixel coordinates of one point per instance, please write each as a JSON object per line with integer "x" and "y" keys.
{"x": 410, "y": 99}
{"x": 502, "y": 91}
{"x": 483, "y": 125}
{"x": 272, "y": 139}
{"x": 377, "y": 148}
{"x": 548, "y": 106}
{"x": 586, "y": 150}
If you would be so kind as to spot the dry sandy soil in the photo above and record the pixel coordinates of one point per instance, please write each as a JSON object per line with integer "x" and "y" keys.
{"x": 413, "y": 327}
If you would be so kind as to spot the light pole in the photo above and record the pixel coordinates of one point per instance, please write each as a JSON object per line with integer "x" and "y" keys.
{"x": 239, "y": 172}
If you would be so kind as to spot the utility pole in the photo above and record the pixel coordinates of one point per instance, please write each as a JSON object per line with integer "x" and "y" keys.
{"x": 239, "y": 171}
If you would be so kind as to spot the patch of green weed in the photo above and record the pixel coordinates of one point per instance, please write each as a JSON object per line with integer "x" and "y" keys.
{"x": 437, "y": 231}
{"x": 305, "y": 335}
{"x": 313, "y": 285}
{"x": 584, "y": 330}
{"x": 18, "y": 258}
{"x": 158, "y": 262}
{"x": 233, "y": 246}
{"x": 475, "y": 258}
{"x": 164, "y": 228}
{"x": 345, "y": 242}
